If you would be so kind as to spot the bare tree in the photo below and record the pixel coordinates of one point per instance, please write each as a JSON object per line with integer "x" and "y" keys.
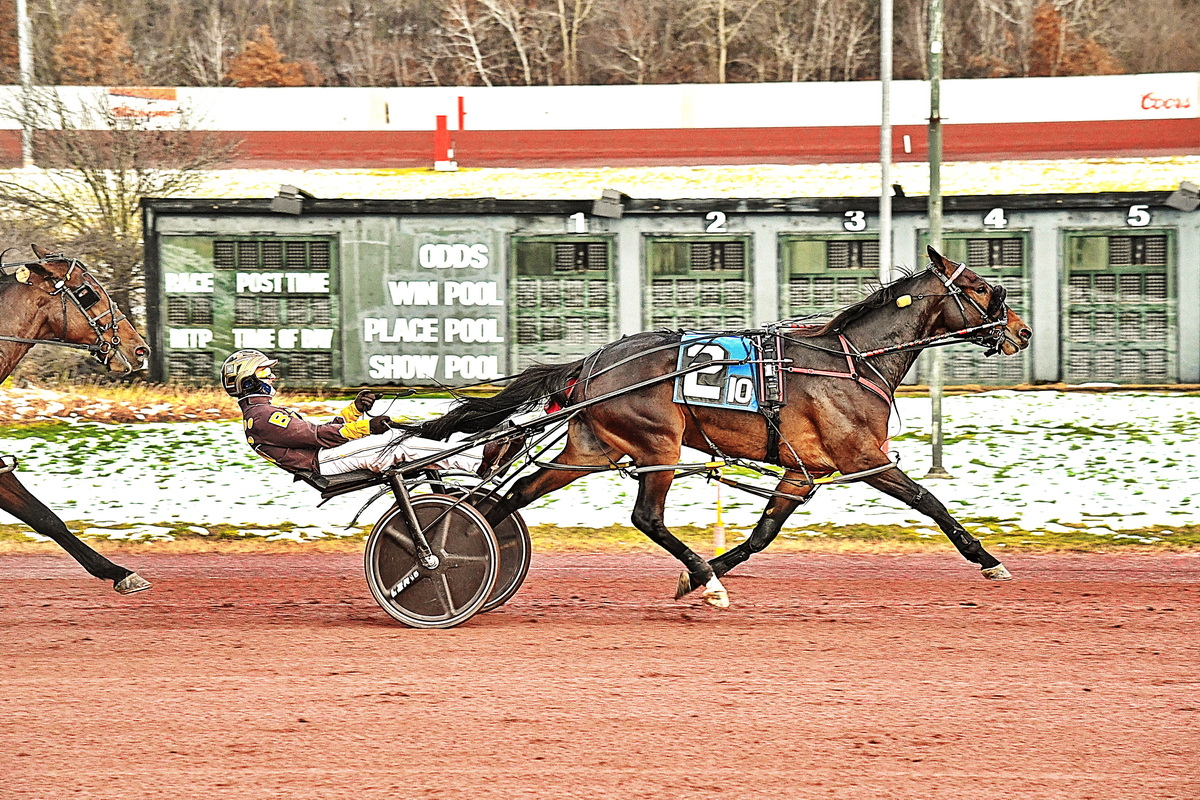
{"x": 208, "y": 48}
{"x": 99, "y": 163}
{"x": 663, "y": 42}
{"x": 505, "y": 42}
{"x": 516, "y": 22}
{"x": 463, "y": 42}
{"x": 571, "y": 15}
{"x": 726, "y": 19}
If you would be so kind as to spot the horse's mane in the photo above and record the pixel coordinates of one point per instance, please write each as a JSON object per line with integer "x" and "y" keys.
{"x": 7, "y": 285}
{"x": 883, "y": 296}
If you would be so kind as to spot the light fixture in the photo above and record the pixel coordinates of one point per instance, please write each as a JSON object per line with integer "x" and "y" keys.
{"x": 290, "y": 200}
{"x": 1186, "y": 197}
{"x": 611, "y": 204}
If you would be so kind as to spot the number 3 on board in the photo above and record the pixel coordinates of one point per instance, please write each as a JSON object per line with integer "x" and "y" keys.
{"x": 855, "y": 221}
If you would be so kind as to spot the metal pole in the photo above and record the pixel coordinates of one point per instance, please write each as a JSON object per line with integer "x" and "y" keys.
{"x": 936, "y": 470}
{"x": 25, "y": 51}
{"x": 885, "y": 141}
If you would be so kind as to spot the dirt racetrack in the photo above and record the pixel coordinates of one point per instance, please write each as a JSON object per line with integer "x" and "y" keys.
{"x": 833, "y": 676}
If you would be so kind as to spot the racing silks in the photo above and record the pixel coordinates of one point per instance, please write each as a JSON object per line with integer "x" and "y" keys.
{"x": 285, "y": 438}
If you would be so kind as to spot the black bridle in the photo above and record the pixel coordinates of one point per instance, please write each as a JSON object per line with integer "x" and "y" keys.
{"x": 83, "y": 297}
{"x": 989, "y": 333}
{"x": 995, "y": 316}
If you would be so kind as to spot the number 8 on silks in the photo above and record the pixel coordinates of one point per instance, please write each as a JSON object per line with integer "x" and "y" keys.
{"x": 720, "y": 385}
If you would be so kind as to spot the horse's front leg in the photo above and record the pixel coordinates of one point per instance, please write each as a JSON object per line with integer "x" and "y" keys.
{"x": 16, "y": 500}
{"x": 768, "y": 527}
{"x": 648, "y": 513}
{"x": 903, "y": 488}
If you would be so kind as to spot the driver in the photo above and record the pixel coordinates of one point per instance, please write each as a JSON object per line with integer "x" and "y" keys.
{"x": 348, "y": 442}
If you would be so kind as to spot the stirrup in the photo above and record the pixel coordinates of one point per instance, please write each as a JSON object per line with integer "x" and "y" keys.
{"x": 8, "y": 464}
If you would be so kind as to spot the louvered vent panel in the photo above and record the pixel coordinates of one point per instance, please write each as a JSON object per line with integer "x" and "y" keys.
{"x": 245, "y": 311}
{"x": 223, "y": 255}
{"x": 597, "y": 256}
{"x": 318, "y": 256}
{"x": 190, "y": 367}
{"x": 272, "y": 255}
{"x": 1104, "y": 327}
{"x": 178, "y": 311}
{"x": 574, "y": 294}
{"x": 247, "y": 255}
{"x": 270, "y": 310}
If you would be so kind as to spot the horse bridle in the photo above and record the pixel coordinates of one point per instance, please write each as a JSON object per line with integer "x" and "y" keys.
{"x": 84, "y": 297}
{"x": 990, "y": 333}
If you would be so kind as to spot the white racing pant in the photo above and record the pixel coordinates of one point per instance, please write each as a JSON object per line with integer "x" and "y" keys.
{"x": 383, "y": 450}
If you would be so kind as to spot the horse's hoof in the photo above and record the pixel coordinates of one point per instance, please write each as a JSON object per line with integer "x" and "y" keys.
{"x": 996, "y": 573}
{"x": 685, "y": 585}
{"x": 717, "y": 598}
{"x": 131, "y": 583}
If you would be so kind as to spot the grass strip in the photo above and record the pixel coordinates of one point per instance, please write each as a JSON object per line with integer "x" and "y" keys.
{"x": 183, "y": 538}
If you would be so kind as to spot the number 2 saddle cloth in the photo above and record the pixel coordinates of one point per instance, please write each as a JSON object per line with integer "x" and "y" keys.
{"x": 745, "y": 386}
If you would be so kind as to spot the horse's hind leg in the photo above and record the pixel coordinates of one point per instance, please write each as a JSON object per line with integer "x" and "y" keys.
{"x": 16, "y": 500}
{"x": 769, "y": 524}
{"x": 544, "y": 481}
{"x": 903, "y": 488}
{"x": 648, "y": 518}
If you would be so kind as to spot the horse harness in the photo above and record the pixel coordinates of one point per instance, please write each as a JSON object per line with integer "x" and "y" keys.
{"x": 83, "y": 297}
{"x": 771, "y": 365}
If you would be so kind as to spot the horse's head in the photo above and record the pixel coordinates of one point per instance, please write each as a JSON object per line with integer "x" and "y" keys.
{"x": 81, "y": 311}
{"x": 972, "y": 302}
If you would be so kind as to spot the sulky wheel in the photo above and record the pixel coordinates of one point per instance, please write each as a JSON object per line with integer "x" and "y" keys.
{"x": 453, "y": 591}
{"x": 512, "y": 534}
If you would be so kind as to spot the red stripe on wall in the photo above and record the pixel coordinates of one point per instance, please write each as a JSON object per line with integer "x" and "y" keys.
{"x": 592, "y": 148}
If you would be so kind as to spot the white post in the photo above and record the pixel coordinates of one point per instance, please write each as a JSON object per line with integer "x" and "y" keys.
{"x": 25, "y": 50}
{"x": 936, "y": 374}
{"x": 885, "y": 141}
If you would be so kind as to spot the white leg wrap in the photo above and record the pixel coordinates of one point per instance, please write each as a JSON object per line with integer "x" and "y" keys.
{"x": 715, "y": 594}
{"x": 997, "y": 573}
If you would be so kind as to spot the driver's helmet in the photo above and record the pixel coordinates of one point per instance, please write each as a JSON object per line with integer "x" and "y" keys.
{"x": 247, "y": 372}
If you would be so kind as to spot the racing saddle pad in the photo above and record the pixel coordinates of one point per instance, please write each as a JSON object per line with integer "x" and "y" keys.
{"x": 732, "y": 386}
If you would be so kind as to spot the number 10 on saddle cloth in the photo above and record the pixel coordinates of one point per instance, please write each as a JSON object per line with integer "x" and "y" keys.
{"x": 731, "y": 386}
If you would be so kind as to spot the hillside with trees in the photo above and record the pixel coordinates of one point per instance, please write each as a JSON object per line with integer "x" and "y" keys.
{"x": 523, "y": 42}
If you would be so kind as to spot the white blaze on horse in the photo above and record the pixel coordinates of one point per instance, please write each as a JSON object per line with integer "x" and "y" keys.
{"x": 54, "y": 300}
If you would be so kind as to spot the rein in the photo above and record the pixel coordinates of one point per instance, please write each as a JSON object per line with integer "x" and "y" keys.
{"x": 83, "y": 297}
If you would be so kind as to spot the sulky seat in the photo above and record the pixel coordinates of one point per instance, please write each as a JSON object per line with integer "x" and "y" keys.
{"x": 334, "y": 485}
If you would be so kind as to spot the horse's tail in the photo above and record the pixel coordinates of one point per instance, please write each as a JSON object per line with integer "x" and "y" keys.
{"x": 529, "y": 390}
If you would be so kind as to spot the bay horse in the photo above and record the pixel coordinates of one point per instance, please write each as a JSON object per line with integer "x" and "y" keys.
{"x": 55, "y": 300}
{"x": 839, "y": 380}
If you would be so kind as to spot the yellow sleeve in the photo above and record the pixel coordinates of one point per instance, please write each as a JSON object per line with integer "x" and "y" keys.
{"x": 350, "y": 413}
{"x": 357, "y": 429}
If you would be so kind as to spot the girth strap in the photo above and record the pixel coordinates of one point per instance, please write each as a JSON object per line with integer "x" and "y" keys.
{"x": 771, "y": 394}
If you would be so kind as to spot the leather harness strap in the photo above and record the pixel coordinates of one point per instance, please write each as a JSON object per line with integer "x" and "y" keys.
{"x": 851, "y": 373}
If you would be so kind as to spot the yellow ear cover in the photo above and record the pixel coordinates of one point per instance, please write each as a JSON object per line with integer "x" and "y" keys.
{"x": 904, "y": 301}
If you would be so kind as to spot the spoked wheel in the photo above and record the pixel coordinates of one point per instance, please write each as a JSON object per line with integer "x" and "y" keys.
{"x": 448, "y": 594}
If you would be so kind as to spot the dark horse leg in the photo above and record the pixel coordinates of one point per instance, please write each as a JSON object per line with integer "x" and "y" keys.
{"x": 769, "y": 524}
{"x": 903, "y": 488}
{"x": 584, "y": 450}
{"x": 16, "y": 500}
{"x": 648, "y": 513}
